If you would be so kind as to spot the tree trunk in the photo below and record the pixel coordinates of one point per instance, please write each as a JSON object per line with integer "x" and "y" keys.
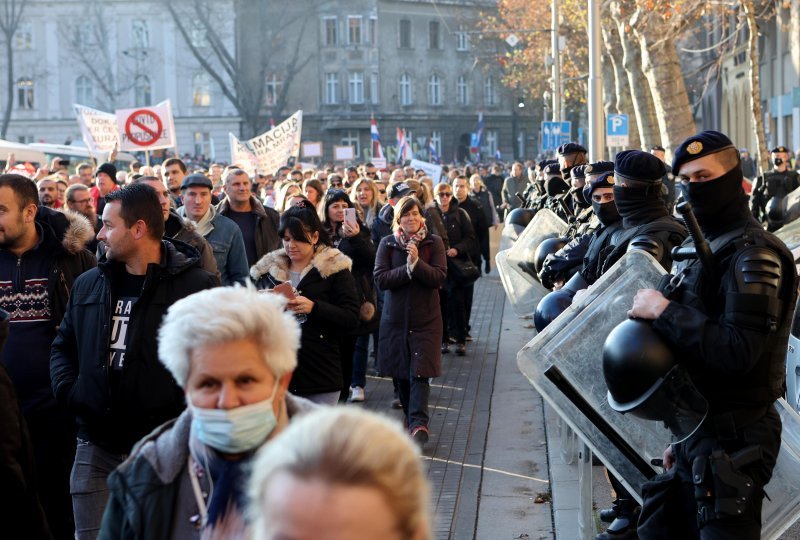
{"x": 641, "y": 99}
{"x": 794, "y": 34}
{"x": 761, "y": 156}
{"x": 662, "y": 68}
{"x": 9, "y": 85}
{"x": 609, "y": 91}
{"x": 622, "y": 90}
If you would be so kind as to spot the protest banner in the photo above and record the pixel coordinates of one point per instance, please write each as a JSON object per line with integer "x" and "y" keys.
{"x": 242, "y": 156}
{"x": 312, "y": 149}
{"x": 434, "y": 171}
{"x": 275, "y": 148}
{"x": 98, "y": 129}
{"x": 344, "y": 153}
{"x": 146, "y": 128}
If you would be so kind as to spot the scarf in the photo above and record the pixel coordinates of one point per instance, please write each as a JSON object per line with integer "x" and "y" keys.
{"x": 204, "y": 226}
{"x": 404, "y": 239}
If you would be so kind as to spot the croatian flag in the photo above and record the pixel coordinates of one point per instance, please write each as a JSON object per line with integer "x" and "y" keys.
{"x": 403, "y": 147}
{"x": 377, "y": 149}
{"x": 432, "y": 150}
{"x": 477, "y": 138}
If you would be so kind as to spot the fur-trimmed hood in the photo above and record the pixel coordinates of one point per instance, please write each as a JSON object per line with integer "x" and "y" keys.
{"x": 78, "y": 233}
{"x": 327, "y": 261}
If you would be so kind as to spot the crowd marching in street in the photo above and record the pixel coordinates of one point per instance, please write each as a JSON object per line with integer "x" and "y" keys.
{"x": 163, "y": 324}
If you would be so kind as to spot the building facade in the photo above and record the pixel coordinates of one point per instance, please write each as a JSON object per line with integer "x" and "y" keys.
{"x": 410, "y": 64}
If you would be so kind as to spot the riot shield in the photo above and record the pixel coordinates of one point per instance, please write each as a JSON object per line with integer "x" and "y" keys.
{"x": 521, "y": 289}
{"x": 545, "y": 224}
{"x": 564, "y": 364}
{"x": 790, "y": 235}
{"x": 791, "y": 206}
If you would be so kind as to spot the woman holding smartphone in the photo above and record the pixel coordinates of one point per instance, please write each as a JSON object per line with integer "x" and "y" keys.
{"x": 349, "y": 234}
{"x": 325, "y": 299}
{"x": 411, "y": 267}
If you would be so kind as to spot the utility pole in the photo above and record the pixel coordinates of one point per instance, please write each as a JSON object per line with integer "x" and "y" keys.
{"x": 556, "y": 65}
{"x": 596, "y": 127}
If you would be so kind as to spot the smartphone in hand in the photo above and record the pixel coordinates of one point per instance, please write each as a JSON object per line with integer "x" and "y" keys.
{"x": 285, "y": 289}
{"x": 350, "y": 217}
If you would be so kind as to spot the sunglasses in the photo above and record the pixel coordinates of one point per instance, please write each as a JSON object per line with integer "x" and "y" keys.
{"x": 444, "y": 194}
{"x": 336, "y": 184}
{"x": 382, "y": 191}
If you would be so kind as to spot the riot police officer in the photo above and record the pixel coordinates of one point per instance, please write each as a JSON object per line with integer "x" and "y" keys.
{"x": 770, "y": 189}
{"x": 569, "y": 155}
{"x": 728, "y": 325}
{"x": 668, "y": 180}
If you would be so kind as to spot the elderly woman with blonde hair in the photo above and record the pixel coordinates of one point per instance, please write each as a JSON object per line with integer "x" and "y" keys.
{"x": 344, "y": 471}
{"x": 233, "y": 352}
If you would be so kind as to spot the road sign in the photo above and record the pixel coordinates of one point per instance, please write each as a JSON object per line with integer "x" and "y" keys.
{"x": 617, "y": 134}
{"x": 554, "y": 134}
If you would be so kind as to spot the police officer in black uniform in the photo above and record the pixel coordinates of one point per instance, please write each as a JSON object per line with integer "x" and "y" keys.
{"x": 728, "y": 325}
{"x": 557, "y": 190}
{"x": 569, "y": 155}
{"x": 668, "y": 180}
{"x": 770, "y": 189}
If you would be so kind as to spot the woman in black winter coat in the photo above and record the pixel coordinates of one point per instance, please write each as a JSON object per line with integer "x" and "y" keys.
{"x": 411, "y": 267}
{"x": 353, "y": 239}
{"x": 461, "y": 244}
{"x": 324, "y": 300}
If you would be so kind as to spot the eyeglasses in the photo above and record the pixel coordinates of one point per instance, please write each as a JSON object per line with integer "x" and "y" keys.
{"x": 84, "y": 201}
{"x": 444, "y": 194}
{"x": 336, "y": 184}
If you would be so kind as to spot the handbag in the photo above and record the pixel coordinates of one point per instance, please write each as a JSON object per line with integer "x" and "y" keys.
{"x": 462, "y": 271}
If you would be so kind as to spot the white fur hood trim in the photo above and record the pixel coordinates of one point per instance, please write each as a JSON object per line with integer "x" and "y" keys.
{"x": 327, "y": 261}
{"x": 78, "y": 233}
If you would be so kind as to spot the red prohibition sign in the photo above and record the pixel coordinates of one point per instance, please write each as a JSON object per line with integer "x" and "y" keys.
{"x": 149, "y": 135}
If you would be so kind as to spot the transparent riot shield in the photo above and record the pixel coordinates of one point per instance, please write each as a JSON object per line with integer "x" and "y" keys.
{"x": 791, "y": 206}
{"x": 790, "y": 234}
{"x": 522, "y": 289}
{"x": 564, "y": 364}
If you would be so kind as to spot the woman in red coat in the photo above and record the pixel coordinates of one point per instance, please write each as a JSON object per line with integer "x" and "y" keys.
{"x": 410, "y": 267}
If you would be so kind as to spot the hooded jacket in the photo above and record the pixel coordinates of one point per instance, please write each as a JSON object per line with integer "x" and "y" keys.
{"x": 151, "y": 492}
{"x": 146, "y": 395}
{"x": 330, "y": 285}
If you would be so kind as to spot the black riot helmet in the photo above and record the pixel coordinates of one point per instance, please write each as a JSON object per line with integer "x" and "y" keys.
{"x": 645, "y": 380}
{"x": 550, "y": 307}
{"x": 519, "y": 218}
{"x": 545, "y": 248}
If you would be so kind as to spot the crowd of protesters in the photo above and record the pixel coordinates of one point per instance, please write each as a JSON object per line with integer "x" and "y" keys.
{"x": 373, "y": 271}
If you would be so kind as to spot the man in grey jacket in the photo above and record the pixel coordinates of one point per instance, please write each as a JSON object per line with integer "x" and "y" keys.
{"x": 516, "y": 183}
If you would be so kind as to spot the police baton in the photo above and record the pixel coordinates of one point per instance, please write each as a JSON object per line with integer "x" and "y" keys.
{"x": 701, "y": 249}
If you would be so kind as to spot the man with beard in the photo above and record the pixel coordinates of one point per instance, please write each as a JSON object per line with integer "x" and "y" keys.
{"x": 728, "y": 326}
{"x": 48, "y": 192}
{"x": 37, "y": 270}
{"x": 104, "y": 365}
{"x": 78, "y": 199}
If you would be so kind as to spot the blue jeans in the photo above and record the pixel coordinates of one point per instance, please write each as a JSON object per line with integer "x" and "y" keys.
{"x": 360, "y": 356}
{"x": 414, "y": 395}
{"x": 88, "y": 487}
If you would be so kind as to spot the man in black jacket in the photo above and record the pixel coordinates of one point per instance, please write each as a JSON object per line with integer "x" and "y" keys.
{"x": 104, "y": 364}
{"x": 481, "y": 229}
{"x": 37, "y": 268}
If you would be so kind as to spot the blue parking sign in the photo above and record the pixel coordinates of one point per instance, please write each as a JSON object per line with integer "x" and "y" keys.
{"x": 617, "y": 132}
{"x": 554, "y": 134}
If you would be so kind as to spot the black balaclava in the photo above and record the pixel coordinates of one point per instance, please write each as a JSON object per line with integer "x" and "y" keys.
{"x": 555, "y": 185}
{"x": 718, "y": 203}
{"x": 640, "y": 204}
{"x": 606, "y": 212}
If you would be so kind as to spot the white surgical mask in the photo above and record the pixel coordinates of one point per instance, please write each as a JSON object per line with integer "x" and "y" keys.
{"x": 235, "y": 431}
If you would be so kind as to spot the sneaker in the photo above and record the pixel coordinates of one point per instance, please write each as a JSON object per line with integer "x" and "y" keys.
{"x": 445, "y": 348}
{"x": 469, "y": 337}
{"x": 396, "y": 404}
{"x": 461, "y": 349}
{"x": 451, "y": 340}
{"x": 420, "y": 435}
{"x": 356, "y": 394}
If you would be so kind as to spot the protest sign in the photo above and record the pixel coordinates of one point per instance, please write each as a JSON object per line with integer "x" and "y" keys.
{"x": 274, "y": 148}
{"x": 434, "y": 171}
{"x": 146, "y": 128}
{"x": 98, "y": 129}
{"x": 241, "y": 156}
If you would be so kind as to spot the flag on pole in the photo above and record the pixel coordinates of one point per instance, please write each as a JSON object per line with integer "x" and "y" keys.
{"x": 377, "y": 149}
{"x": 403, "y": 147}
{"x": 433, "y": 152}
{"x": 497, "y": 155}
{"x": 477, "y": 139}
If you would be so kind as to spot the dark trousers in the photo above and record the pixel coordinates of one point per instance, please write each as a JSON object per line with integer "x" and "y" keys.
{"x": 457, "y": 312}
{"x": 672, "y": 503}
{"x": 484, "y": 245}
{"x": 443, "y": 307}
{"x": 52, "y": 434}
{"x": 414, "y": 395}
{"x": 89, "y": 486}
{"x": 469, "y": 292}
{"x": 360, "y": 356}
{"x": 347, "y": 347}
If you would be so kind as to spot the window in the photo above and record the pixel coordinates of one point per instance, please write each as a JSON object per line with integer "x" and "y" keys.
{"x": 356, "y": 88}
{"x": 462, "y": 91}
{"x": 201, "y": 90}
{"x": 373, "y": 88}
{"x": 491, "y": 141}
{"x": 351, "y": 138}
{"x": 489, "y": 92}
{"x": 197, "y": 35}
{"x": 331, "y": 88}
{"x": 354, "y": 29}
{"x": 23, "y": 37}
{"x": 372, "y": 30}
{"x": 406, "y": 94}
{"x": 462, "y": 38}
{"x": 202, "y": 143}
{"x": 434, "y": 35}
{"x": 405, "y": 34}
{"x": 330, "y": 29}
{"x": 140, "y": 34}
{"x": 434, "y": 90}
{"x": 142, "y": 91}
{"x": 26, "y": 139}
{"x": 25, "y": 93}
{"x": 84, "y": 91}
{"x": 272, "y": 90}
{"x": 436, "y": 140}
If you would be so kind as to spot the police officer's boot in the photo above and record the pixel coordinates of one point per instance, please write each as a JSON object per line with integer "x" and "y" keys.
{"x": 624, "y": 525}
{"x": 607, "y": 515}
